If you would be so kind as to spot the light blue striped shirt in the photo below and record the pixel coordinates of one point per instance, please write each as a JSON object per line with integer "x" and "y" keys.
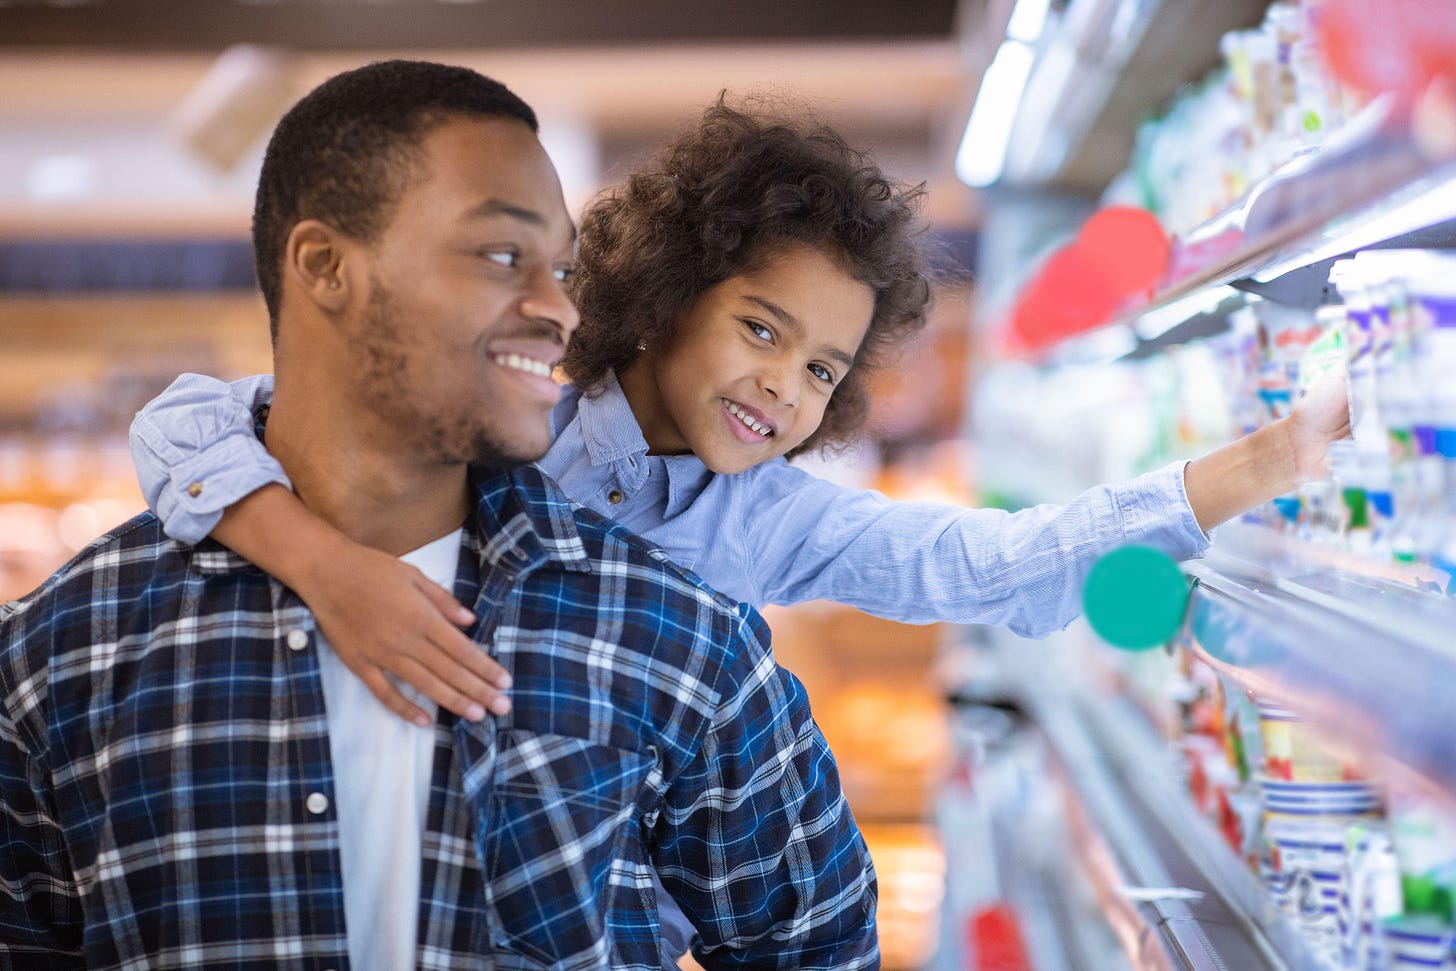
{"x": 774, "y": 534}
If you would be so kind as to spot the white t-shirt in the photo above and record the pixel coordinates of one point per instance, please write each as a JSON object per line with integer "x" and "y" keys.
{"x": 382, "y": 767}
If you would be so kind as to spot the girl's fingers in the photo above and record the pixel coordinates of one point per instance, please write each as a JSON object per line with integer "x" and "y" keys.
{"x": 449, "y": 608}
{"x": 446, "y": 695}
{"x": 382, "y": 688}
{"x": 456, "y": 661}
{"x": 463, "y": 657}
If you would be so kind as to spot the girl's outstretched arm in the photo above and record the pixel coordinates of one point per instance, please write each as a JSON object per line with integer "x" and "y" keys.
{"x": 204, "y": 472}
{"x": 800, "y": 538}
{"x": 1271, "y": 461}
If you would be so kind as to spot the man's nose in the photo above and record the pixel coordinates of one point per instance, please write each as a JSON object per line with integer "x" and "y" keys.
{"x": 547, "y": 300}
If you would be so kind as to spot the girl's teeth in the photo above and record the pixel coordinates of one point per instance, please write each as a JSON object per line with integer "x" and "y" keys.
{"x": 742, "y": 416}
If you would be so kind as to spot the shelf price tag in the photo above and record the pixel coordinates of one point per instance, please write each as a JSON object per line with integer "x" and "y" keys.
{"x": 1135, "y": 598}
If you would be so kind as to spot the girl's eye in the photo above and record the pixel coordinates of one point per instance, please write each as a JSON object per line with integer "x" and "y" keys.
{"x": 822, "y": 373}
{"x": 504, "y": 257}
{"x": 759, "y": 330}
{"x": 564, "y": 273}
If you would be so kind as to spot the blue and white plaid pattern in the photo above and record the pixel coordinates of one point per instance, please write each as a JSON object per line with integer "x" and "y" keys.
{"x": 166, "y": 792}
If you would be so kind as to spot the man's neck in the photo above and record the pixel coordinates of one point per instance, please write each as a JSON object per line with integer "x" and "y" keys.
{"x": 351, "y": 479}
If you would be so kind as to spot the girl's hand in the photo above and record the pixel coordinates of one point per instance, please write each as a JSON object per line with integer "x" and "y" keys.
{"x": 385, "y": 619}
{"x": 1322, "y": 416}
{"x": 1270, "y": 461}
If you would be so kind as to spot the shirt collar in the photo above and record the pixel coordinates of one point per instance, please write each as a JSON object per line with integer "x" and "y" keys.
{"x": 611, "y": 433}
{"x": 608, "y": 427}
{"x": 523, "y": 520}
{"x": 687, "y": 477}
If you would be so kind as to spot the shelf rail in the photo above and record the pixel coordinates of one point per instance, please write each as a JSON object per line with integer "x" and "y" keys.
{"x": 1125, "y": 781}
{"x": 1368, "y": 658}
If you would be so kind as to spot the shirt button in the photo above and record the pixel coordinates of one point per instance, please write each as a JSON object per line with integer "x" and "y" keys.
{"x": 297, "y": 639}
{"x": 317, "y": 803}
{"x": 195, "y": 489}
{"x": 615, "y": 497}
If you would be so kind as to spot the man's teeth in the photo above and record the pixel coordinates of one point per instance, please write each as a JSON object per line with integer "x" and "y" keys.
{"x": 519, "y": 363}
{"x": 744, "y": 417}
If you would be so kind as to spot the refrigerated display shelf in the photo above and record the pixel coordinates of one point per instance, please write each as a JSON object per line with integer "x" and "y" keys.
{"x": 1202, "y": 908}
{"x": 1363, "y": 651}
{"x": 1373, "y": 184}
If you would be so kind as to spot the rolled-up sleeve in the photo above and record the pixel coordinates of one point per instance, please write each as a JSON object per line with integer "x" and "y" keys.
{"x": 758, "y": 844}
{"x": 196, "y": 451}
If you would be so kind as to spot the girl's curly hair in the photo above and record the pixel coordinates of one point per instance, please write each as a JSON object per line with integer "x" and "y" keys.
{"x": 721, "y": 197}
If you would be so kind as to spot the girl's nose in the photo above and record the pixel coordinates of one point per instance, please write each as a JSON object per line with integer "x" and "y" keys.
{"x": 781, "y": 379}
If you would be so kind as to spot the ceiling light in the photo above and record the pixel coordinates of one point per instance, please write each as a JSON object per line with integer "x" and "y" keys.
{"x": 62, "y": 178}
{"x": 1028, "y": 18}
{"x": 982, "y": 154}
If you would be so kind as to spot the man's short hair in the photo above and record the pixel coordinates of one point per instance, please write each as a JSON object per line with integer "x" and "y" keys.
{"x": 346, "y": 152}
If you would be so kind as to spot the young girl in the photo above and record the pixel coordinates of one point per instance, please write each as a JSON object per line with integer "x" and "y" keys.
{"x": 733, "y": 297}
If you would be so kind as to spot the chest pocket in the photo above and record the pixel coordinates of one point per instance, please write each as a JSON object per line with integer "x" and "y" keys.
{"x": 560, "y": 809}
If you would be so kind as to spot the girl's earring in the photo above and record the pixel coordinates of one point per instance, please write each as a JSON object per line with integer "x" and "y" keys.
{"x": 642, "y": 345}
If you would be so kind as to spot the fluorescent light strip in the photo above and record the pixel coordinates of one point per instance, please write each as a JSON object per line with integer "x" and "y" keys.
{"x": 1046, "y": 91}
{"x": 1028, "y": 18}
{"x": 982, "y": 154}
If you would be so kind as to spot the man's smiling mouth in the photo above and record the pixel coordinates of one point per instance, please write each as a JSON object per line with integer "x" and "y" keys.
{"x": 518, "y": 363}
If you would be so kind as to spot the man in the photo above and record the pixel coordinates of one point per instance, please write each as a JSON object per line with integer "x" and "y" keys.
{"x": 190, "y": 778}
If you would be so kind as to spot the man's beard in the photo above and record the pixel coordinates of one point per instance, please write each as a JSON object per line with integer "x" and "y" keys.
{"x": 439, "y": 435}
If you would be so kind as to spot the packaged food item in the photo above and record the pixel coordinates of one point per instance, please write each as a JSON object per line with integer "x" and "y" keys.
{"x": 1322, "y": 516}
{"x": 1432, "y": 289}
{"x": 1425, "y": 848}
{"x": 1285, "y": 337}
{"x": 1396, "y": 388}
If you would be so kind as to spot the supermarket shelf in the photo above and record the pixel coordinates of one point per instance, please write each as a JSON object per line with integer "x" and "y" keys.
{"x": 1365, "y": 652}
{"x": 1371, "y": 185}
{"x": 1126, "y": 783}
{"x": 1102, "y": 69}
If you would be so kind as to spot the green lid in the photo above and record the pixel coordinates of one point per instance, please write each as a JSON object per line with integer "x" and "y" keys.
{"x": 1135, "y": 598}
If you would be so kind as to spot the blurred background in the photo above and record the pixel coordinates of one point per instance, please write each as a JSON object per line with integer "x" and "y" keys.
{"x": 131, "y": 132}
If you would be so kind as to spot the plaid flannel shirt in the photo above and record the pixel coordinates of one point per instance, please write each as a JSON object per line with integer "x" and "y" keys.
{"x": 166, "y": 791}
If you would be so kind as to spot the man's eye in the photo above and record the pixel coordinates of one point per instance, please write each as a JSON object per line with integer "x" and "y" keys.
{"x": 822, "y": 373}
{"x": 504, "y": 258}
{"x": 759, "y": 330}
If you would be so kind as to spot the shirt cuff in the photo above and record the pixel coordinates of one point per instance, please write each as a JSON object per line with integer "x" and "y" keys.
{"x": 203, "y": 485}
{"x": 1155, "y": 511}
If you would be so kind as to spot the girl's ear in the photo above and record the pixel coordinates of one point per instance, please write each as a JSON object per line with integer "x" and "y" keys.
{"x": 314, "y": 260}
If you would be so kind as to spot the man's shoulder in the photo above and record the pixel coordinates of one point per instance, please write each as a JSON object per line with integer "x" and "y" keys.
{"x": 114, "y": 566}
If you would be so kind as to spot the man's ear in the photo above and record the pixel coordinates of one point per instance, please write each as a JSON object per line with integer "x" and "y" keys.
{"x": 317, "y": 259}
